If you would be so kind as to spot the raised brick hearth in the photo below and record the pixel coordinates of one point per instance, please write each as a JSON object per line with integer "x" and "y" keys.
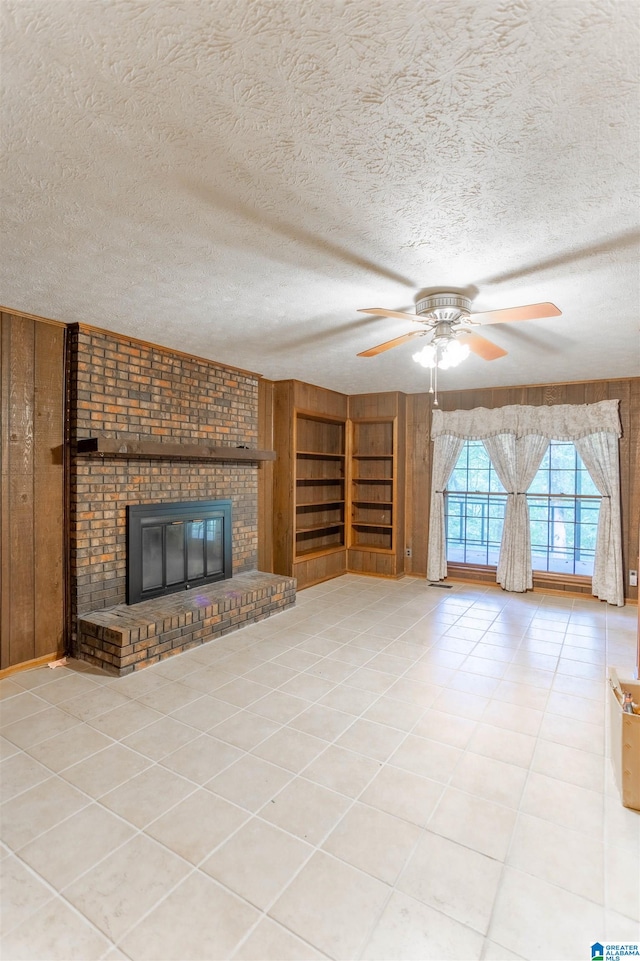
{"x": 123, "y": 639}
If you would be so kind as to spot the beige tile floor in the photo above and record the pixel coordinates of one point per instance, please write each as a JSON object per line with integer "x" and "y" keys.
{"x": 387, "y": 771}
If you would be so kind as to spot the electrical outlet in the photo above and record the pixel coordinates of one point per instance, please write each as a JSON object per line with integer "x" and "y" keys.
{"x": 633, "y": 578}
{"x": 408, "y": 552}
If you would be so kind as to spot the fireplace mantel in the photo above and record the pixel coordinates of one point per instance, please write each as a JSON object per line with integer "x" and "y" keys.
{"x": 100, "y": 445}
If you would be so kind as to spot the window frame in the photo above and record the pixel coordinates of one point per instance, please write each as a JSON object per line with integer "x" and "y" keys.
{"x": 553, "y": 505}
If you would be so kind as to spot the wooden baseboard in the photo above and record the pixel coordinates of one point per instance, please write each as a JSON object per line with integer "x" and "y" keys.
{"x": 534, "y": 590}
{"x": 543, "y": 581}
{"x": 29, "y": 665}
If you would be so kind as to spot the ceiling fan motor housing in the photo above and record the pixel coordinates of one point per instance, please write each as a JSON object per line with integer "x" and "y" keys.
{"x": 444, "y": 307}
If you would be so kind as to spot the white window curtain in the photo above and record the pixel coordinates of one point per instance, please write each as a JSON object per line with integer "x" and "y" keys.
{"x": 516, "y": 461}
{"x": 593, "y": 428}
{"x": 446, "y": 450}
{"x": 600, "y": 455}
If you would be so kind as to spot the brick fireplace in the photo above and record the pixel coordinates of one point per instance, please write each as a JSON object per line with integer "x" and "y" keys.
{"x": 124, "y": 389}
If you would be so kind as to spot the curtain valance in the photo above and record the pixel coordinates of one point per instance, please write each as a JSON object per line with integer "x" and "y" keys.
{"x": 555, "y": 422}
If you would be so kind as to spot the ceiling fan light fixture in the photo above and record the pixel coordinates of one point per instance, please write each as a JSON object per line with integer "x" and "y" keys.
{"x": 428, "y": 356}
{"x": 453, "y": 354}
{"x": 444, "y": 356}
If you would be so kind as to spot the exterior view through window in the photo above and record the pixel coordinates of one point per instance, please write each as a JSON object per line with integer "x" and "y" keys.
{"x": 564, "y": 505}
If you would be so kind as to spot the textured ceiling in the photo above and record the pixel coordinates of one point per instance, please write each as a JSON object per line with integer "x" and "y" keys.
{"x": 234, "y": 178}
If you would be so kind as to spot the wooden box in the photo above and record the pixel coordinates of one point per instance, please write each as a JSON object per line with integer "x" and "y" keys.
{"x": 625, "y": 740}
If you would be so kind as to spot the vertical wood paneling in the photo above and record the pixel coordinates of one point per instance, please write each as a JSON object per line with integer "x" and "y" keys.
{"x": 634, "y": 481}
{"x": 400, "y": 505}
{"x": 418, "y": 479}
{"x": 5, "y": 581}
{"x": 265, "y": 476}
{"x": 621, "y": 390}
{"x": 21, "y": 570}
{"x": 283, "y": 531}
{"x": 595, "y": 391}
{"x": 21, "y": 505}
{"x": 48, "y": 521}
{"x": 554, "y": 394}
{"x": 574, "y": 394}
{"x": 534, "y": 396}
{"x": 32, "y": 547}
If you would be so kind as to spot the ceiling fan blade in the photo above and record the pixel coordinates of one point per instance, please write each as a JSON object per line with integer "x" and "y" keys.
{"x": 383, "y": 312}
{"x": 528, "y": 312}
{"x": 373, "y": 351}
{"x": 480, "y": 346}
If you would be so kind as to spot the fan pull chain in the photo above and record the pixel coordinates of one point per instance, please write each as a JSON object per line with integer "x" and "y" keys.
{"x": 433, "y": 380}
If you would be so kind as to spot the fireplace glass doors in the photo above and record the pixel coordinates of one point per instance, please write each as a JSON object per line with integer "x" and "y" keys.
{"x": 173, "y": 547}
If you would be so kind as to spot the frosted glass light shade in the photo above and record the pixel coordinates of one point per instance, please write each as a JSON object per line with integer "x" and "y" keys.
{"x": 453, "y": 354}
{"x": 427, "y": 356}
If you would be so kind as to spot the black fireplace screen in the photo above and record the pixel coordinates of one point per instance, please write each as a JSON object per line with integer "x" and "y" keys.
{"x": 173, "y": 547}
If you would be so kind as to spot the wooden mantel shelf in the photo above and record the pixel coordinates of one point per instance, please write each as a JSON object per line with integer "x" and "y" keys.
{"x": 102, "y": 446}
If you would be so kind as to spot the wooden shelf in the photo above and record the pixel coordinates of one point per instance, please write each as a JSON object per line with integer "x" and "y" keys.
{"x": 369, "y": 547}
{"x": 102, "y": 446}
{"x": 302, "y": 555}
{"x": 319, "y": 504}
{"x": 328, "y": 526}
{"x": 370, "y": 503}
{"x": 319, "y": 454}
{"x": 372, "y": 480}
{"x": 373, "y": 456}
{"x": 319, "y": 480}
{"x": 374, "y": 524}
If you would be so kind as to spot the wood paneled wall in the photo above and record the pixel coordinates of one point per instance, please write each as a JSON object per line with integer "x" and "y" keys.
{"x": 32, "y": 529}
{"x": 419, "y": 451}
{"x": 265, "y": 476}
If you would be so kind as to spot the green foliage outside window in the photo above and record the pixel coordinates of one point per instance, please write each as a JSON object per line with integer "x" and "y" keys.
{"x": 564, "y": 506}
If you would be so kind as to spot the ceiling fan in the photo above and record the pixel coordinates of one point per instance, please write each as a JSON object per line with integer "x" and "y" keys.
{"x": 447, "y": 316}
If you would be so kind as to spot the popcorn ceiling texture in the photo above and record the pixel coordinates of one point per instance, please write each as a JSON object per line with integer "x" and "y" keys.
{"x": 235, "y": 179}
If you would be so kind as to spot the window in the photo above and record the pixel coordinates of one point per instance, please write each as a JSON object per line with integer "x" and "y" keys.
{"x": 474, "y": 508}
{"x": 564, "y": 505}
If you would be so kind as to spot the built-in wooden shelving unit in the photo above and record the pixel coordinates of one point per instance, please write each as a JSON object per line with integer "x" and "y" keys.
{"x": 376, "y": 482}
{"x": 338, "y": 483}
{"x": 319, "y": 484}
{"x": 309, "y": 482}
{"x": 373, "y": 484}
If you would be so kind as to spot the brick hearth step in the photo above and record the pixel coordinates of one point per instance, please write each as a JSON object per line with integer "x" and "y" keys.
{"x": 126, "y": 638}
